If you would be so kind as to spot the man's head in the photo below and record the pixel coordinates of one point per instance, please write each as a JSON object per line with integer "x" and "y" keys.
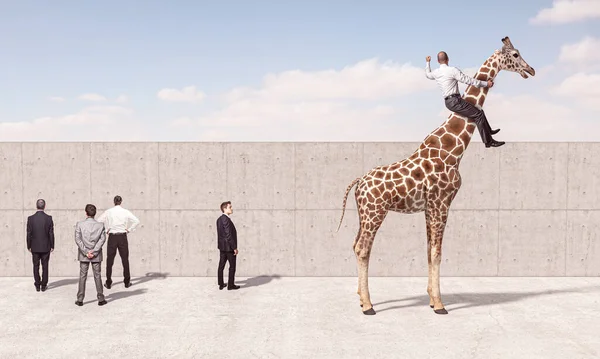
{"x": 118, "y": 200}
{"x": 442, "y": 57}
{"x": 40, "y": 204}
{"x": 90, "y": 210}
{"x": 226, "y": 207}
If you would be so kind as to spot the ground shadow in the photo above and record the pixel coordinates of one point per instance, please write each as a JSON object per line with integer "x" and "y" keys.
{"x": 471, "y": 300}
{"x": 119, "y": 295}
{"x": 148, "y": 277}
{"x": 63, "y": 282}
{"x": 257, "y": 281}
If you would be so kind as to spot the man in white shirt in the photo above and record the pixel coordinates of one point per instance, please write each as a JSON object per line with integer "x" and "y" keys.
{"x": 447, "y": 78}
{"x": 118, "y": 222}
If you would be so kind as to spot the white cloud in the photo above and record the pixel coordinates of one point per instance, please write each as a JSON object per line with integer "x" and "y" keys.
{"x": 583, "y": 53}
{"x": 567, "y": 11}
{"x": 582, "y": 87}
{"x": 92, "y": 97}
{"x": 122, "y": 99}
{"x": 187, "y": 94}
{"x": 56, "y": 99}
{"x": 95, "y": 123}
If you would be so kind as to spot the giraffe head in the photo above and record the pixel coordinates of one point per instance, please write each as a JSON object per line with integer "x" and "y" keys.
{"x": 511, "y": 60}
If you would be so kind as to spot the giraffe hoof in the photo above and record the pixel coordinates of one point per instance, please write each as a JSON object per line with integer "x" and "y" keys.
{"x": 369, "y": 312}
{"x": 440, "y": 311}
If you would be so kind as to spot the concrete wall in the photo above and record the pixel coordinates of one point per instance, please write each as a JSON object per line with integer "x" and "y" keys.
{"x": 525, "y": 209}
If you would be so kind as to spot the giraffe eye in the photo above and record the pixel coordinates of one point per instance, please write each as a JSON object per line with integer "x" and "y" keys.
{"x": 515, "y": 55}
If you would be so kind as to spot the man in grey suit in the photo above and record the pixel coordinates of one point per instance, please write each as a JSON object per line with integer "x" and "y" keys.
{"x": 90, "y": 237}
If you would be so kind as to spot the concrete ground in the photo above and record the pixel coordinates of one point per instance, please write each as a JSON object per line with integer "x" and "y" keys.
{"x": 271, "y": 317}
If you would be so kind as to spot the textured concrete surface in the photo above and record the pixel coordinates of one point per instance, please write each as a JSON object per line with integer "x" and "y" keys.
{"x": 524, "y": 209}
{"x": 271, "y": 317}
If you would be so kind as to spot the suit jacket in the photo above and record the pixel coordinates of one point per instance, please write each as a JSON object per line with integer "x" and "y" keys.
{"x": 40, "y": 232}
{"x": 90, "y": 236}
{"x": 226, "y": 234}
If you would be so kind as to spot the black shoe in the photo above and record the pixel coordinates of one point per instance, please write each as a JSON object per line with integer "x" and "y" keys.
{"x": 128, "y": 285}
{"x": 37, "y": 289}
{"x": 233, "y": 287}
{"x": 107, "y": 286}
{"x": 494, "y": 143}
{"x": 493, "y": 132}
{"x": 44, "y": 288}
{"x": 102, "y": 302}
{"x": 79, "y": 303}
{"x": 221, "y": 286}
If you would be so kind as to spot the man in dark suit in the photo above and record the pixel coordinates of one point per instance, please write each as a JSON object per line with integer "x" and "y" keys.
{"x": 40, "y": 242}
{"x": 227, "y": 244}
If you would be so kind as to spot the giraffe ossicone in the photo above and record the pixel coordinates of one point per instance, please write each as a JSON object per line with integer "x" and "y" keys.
{"x": 427, "y": 181}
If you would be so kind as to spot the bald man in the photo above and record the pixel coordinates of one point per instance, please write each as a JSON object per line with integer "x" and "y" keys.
{"x": 447, "y": 78}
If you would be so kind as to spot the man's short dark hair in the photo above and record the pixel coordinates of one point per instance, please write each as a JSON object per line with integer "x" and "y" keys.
{"x": 118, "y": 200}
{"x": 224, "y": 205}
{"x": 442, "y": 56}
{"x": 90, "y": 210}
{"x": 40, "y": 204}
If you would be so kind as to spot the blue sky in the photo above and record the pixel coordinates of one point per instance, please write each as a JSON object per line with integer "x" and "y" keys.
{"x": 136, "y": 48}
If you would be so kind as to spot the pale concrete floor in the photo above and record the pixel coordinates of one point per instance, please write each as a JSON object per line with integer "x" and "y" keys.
{"x": 303, "y": 318}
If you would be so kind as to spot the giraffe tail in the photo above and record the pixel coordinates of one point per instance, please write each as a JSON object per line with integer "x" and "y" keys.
{"x": 345, "y": 198}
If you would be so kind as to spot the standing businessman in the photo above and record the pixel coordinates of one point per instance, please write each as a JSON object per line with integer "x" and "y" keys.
{"x": 118, "y": 222}
{"x": 90, "y": 237}
{"x": 227, "y": 244}
{"x": 40, "y": 242}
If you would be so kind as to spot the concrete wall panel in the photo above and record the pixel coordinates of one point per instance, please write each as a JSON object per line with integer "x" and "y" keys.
{"x": 533, "y": 176}
{"x": 261, "y": 175}
{"x": 126, "y": 169}
{"x": 479, "y": 171}
{"x": 265, "y": 242}
{"x": 583, "y": 243}
{"x": 320, "y": 251}
{"x": 192, "y": 175}
{"x": 144, "y": 246}
{"x": 13, "y": 244}
{"x": 58, "y": 173}
{"x": 584, "y": 176}
{"x": 187, "y": 239}
{"x": 532, "y": 243}
{"x": 386, "y": 153}
{"x": 11, "y": 180}
{"x": 400, "y": 247}
{"x": 324, "y": 171}
{"x": 470, "y": 246}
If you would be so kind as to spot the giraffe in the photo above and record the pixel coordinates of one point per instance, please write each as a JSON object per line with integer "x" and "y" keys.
{"x": 427, "y": 181}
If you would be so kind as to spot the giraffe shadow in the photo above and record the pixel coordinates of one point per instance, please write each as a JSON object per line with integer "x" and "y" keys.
{"x": 258, "y": 280}
{"x": 458, "y": 301}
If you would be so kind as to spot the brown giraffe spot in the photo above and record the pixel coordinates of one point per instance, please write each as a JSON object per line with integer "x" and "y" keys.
{"x": 451, "y": 160}
{"x": 473, "y": 91}
{"x": 444, "y": 177}
{"x": 379, "y": 174}
{"x": 481, "y": 77}
{"x": 387, "y": 195}
{"x": 432, "y": 141}
{"x": 471, "y": 127}
{"x": 388, "y": 176}
{"x": 409, "y": 202}
{"x": 370, "y": 197}
{"x": 464, "y": 137}
{"x": 389, "y": 185}
{"x": 438, "y": 165}
{"x": 434, "y": 153}
{"x": 371, "y": 206}
{"x": 404, "y": 171}
{"x": 492, "y": 73}
{"x": 455, "y": 125}
{"x": 439, "y": 132}
{"x": 402, "y": 190}
{"x": 471, "y": 100}
{"x": 481, "y": 100}
{"x": 457, "y": 151}
{"x": 410, "y": 183}
{"x": 448, "y": 142}
{"x": 427, "y": 166}
{"x": 410, "y": 165}
{"x": 394, "y": 167}
{"x": 484, "y": 70}
{"x": 417, "y": 174}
